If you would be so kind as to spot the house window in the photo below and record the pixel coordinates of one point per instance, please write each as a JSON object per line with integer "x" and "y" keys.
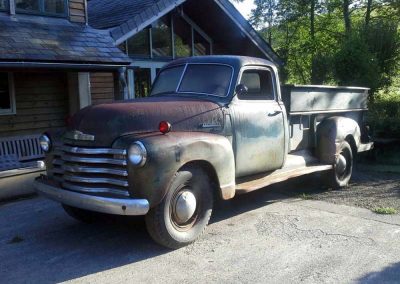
{"x": 201, "y": 45}
{"x": 169, "y": 37}
{"x": 42, "y": 7}
{"x": 139, "y": 44}
{"x": 183, "y": 37}
{"x": 161, "y": 38}
{"x": 142, "y": 82}
{"x": 3, "y": 5}
{"x": 7, "y": 103}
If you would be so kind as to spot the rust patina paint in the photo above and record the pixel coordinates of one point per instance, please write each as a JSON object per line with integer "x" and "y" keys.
{"x": 109, "y": 121}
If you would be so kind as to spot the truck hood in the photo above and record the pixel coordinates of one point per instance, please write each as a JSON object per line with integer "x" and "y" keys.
{"x": 106, "y": 122}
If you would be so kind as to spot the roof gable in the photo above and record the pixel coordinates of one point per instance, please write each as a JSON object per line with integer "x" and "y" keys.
{"x": 125, "y": 18}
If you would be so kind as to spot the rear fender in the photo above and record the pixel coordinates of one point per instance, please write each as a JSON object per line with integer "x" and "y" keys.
{"x": 331, "y": 132}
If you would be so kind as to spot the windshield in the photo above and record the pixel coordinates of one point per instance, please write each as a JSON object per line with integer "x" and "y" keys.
{"x": 204, "y": 79}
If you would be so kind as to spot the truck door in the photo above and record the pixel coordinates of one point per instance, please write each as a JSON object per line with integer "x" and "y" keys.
{"x": 258, "y": 121}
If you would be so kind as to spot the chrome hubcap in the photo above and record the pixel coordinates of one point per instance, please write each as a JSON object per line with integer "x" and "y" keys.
{"x": 185, "y": 206}
{"x": 341, "y": 164}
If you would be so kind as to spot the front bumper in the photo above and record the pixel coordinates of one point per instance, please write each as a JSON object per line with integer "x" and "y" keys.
{"x": 115, "y": 206}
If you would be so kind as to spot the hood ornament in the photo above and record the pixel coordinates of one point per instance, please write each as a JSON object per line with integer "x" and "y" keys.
{"x": 77, "y": 135}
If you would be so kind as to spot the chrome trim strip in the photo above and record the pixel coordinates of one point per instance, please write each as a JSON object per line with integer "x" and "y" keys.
{"x": 58, "y": 162}
{"x": 130, "y": 207}
{"x": 69, "y": 158}
{"x": 326, "y": 111}
{"x": 94, "y": 151}
{"x": 57, "y": 170}
{"x": 94, "y": 190}
{"x": 82, "y": 179}
{"x": 78, "y": 169}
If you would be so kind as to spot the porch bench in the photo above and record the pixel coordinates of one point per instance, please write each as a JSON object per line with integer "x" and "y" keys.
{"x": 21, "y": 160}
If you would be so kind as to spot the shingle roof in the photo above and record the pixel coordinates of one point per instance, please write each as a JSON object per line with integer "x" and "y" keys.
{"x": 31, "y": 38}
{"x": 107, "y": 14}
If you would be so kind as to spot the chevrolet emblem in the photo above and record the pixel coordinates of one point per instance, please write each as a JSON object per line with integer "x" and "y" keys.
{"x": 77, "y": 135}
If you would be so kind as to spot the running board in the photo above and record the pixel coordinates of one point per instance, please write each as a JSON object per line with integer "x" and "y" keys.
{"x": 298, "y": 164}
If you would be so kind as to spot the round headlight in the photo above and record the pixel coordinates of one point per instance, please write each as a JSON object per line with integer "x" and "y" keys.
{"x": 45, "y": 143}
{"x": 137, "y": 154}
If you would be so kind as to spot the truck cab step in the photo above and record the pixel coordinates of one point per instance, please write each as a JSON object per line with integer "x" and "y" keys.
{"x": 297, "y": 164}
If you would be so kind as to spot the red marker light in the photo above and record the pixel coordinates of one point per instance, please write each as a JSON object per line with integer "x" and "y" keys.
{"x": 164, "y": 127}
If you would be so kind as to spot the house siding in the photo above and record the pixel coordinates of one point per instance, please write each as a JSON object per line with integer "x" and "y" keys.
{"x": 77, "y": 12}
{"x": 102, "y": 88}
{"x": 41, "y": 104}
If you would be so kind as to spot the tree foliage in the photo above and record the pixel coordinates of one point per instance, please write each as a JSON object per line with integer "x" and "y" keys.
{"x": 346, "y": 42}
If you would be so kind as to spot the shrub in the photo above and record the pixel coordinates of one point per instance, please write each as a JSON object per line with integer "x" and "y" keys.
{"x": 384, "y": 113}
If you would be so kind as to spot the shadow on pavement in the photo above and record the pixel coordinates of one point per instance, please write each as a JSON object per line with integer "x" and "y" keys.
{"x": 52, "y": 247}
{"x": 390, "y": 274}
{"x": 40, "y": 243}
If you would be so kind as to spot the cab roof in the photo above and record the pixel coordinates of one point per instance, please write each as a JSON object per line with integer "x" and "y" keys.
{"x": 232, "y": 60}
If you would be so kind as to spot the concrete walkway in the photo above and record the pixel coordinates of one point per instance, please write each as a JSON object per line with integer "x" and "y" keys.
{"x": 260, "y": 237}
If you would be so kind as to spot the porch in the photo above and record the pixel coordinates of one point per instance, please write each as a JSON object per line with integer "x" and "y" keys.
{"x": 37, "y": 99}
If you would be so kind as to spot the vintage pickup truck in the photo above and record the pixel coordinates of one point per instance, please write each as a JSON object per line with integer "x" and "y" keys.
{"x": 212, "y": 127}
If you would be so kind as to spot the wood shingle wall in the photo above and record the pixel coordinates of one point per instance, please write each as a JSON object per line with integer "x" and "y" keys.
{"x": 102, "y": 88}
{"x": 77, "y": 12}
{"x": 41, "y": 104}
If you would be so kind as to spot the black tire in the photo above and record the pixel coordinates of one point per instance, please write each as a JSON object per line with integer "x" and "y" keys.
{"x": 161, "y": 221}
{"x": 340, "y": 176}
{"x": 81, "y": 215}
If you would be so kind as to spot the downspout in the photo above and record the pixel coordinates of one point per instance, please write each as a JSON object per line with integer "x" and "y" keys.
{"x": 86, "y": 14}
{"x": 123, "y": 86}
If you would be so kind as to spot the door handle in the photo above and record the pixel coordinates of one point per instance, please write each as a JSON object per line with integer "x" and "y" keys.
{"x": 274, "y": 113}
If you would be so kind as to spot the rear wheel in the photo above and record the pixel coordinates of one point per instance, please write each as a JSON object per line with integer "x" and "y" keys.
{"x": 343, "y": 167}
{"x": 185, "y": 211}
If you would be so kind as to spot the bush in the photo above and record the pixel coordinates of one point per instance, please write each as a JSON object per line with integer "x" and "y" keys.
{"x": 384, "y": 113}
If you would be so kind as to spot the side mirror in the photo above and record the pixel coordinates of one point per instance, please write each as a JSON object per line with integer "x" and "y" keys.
{"x": 241, "y": 90}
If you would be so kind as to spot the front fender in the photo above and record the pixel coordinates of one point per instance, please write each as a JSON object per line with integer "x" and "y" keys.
{"x": 166, "y": 154}
{"x": 331, "y": 133}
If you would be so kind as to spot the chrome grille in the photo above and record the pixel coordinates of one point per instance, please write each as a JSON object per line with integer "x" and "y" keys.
{"x": 91, "y": 170}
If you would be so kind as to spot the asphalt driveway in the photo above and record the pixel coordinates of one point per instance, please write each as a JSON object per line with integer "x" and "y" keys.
{"x": 259, "y": 237}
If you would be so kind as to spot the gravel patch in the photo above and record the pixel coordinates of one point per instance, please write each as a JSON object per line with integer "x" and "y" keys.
{"x": 368, "y": 188}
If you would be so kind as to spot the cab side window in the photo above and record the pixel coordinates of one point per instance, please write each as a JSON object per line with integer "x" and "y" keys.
{"x": 259, "y": 84}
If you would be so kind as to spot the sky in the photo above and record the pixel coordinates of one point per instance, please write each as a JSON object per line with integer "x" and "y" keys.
{"x": 245, "y": 7}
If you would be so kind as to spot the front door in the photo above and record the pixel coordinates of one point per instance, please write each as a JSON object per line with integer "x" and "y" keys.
{"x": 259, "y": 136}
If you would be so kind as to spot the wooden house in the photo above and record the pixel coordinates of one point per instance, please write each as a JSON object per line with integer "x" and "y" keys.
{"x": 58, "y": 56}
{"x": 154, "y": 32}
{"x": 47, "y": 52}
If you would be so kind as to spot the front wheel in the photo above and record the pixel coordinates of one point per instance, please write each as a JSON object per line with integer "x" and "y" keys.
{"x": 343, "y": 167}
{"x": 185, "y": 211}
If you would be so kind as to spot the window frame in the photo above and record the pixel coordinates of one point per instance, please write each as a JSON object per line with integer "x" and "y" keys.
{"x": 193, "y": 27}
{"x": 273, "y": 78}
{"x": 11, "y": 94}
{"x": 150, "y": 46}
{"x": 42, "y": 12}
{"x": 199, "y": 93}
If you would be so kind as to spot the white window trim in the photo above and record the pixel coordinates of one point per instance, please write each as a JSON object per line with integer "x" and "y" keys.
{"x": 11, "y": 93}
{"x": 194, "y": 28}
